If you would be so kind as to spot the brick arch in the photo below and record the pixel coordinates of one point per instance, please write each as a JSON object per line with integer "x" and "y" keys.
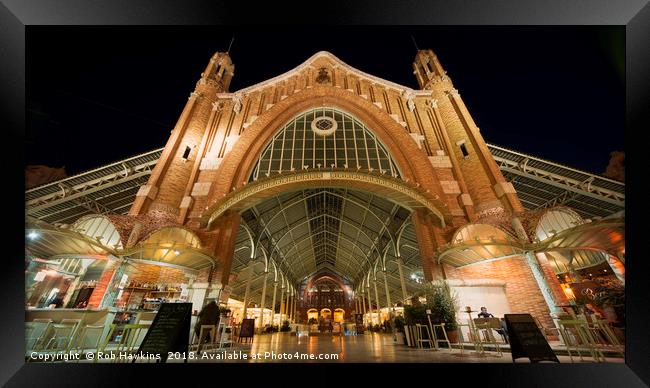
{"x": 240, "y": 161}
{"x": 319, "y": 277}
{"x": 406, "y": 195}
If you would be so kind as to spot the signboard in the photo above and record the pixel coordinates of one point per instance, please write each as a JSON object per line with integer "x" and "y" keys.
{"x": 247, "y": 329}
{"x": 169, "y": 331}
{"x": 526, "y": 340}
{"x": 358, "y": 320}
{"x": 585, "y": 291}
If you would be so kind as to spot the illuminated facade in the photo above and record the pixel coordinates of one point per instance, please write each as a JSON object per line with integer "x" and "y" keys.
{"x": 327, "y": 188}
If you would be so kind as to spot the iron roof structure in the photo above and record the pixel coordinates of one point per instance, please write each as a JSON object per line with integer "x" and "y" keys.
{"x": 112, "y": 188}
{"x": 345, "y": 231}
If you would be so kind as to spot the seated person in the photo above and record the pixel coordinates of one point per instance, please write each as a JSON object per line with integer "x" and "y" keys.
{"x": 484, "y": 313}
{"x": 503, "y": 331}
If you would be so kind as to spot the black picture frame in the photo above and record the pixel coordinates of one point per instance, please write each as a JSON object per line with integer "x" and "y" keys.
{"x": 15, "y": 15}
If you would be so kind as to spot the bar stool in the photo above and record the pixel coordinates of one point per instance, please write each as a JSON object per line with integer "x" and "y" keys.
{"x": 421, "y": 338}
{"x": 461, "y": 336}
{"x": 441, "y": 326}
{"x": 221, "y": 331}
{"x": 205, "y": 330}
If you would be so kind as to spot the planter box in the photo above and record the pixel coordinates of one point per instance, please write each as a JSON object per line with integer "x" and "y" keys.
{"x": 400, "y": 338}
{"x": 410, "y": 334}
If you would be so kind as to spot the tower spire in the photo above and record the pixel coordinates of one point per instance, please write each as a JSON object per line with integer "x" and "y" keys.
{"x": 415, "y": 43}
{"x": 427, "y": 68}
{"x": 230, "y": 45}
{"x": 219, "y": 71}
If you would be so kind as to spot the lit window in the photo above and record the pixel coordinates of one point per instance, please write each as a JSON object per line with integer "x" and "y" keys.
{"x": 324, "y": 138}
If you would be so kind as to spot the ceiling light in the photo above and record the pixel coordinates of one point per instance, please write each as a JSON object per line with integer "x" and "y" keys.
{"x": 32, "y": 235}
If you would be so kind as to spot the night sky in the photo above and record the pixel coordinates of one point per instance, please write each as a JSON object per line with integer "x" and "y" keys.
{"x": 99, "y": 94}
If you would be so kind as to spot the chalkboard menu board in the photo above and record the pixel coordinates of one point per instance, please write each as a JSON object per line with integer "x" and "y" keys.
{"x": 526, "y": 340}
{"x": 247, "y": 328}
{"x": 358, "y": 320}
{"x": 169, "y": 331}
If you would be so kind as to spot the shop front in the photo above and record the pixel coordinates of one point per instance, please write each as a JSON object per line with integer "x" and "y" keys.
{"x": 85, "y": 275}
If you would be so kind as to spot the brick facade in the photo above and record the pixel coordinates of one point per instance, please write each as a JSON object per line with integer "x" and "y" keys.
{"x": 429, "y": 133}
{"x": 521, "y": 289}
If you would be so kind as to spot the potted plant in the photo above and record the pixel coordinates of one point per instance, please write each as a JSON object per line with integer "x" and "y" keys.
{"x": 610, "y": 298}
{"x": 443, "y": 303}
{"x": 399, "y": 328}
{"x": 285, "y": 326}
{"x": 415, "y": 314}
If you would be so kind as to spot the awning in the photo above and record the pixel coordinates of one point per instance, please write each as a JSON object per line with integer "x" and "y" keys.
{"x": 606, "y": 235}
{"x": 479, "y": 252}
{"x": 478, "y": 243}
{"x": 470, "y": 246}
{"x": 172, "y": 254}
{"x": 50, "y": 242}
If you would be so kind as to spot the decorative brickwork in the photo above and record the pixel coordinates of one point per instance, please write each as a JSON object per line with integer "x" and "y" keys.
{"x": 446, "y": 170}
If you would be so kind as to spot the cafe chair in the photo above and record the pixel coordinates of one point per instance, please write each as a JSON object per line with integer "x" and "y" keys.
{"x": 484, "y": 331}
{"x": 421, "y": 330}
{"x": 36, "y": 334}
{"x": 494, "y": 326}
{"x": 127, "y": 341}
{"x": 577, "y": 336}
{"x": 77, "y": 328}
{"x": 62, "y": 334}
{"x": 602, "y": 333}
{"x": 610, "y": 340}
{"x": 88, "y": 339}
{"x": 545, "y": 330}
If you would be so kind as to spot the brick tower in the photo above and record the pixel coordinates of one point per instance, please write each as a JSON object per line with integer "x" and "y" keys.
{"x": 482, "y": 185}
{"x": 171, "y": 184}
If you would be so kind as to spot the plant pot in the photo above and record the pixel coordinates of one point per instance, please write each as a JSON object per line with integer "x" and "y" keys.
{"x": 409, "y": 334}
{"x": 453, "y": 336}
{"x": 400, "y": 338}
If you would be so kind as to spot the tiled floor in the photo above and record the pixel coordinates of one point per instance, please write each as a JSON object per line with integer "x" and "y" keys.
{"x": 369, "y": 347}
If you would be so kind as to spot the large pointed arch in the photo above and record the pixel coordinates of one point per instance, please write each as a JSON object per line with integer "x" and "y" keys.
{"x": 235, "y": 169}
{"x": 347, "y": 143}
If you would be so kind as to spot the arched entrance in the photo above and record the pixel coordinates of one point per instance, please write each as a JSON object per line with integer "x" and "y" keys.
{"x": 335, "y": 202}
{"x": 326, "y": 314}
{"x": 339, "y": 315}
